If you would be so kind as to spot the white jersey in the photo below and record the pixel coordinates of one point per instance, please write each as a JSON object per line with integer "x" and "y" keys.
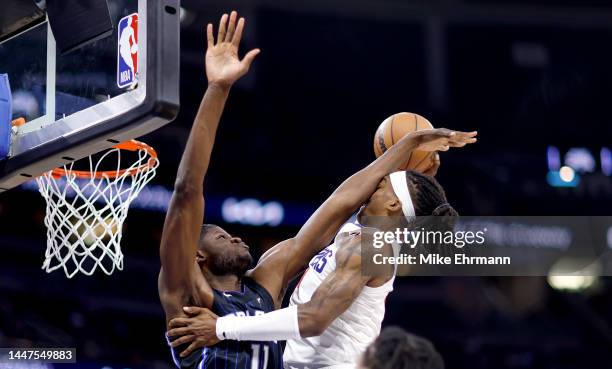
{"x": 343, "y": 342}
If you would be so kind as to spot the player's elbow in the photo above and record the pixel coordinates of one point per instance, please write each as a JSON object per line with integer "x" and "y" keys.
{"x": 312, "y": 323}
{"x": 186, "y": 188}
{"x": 314, "y": 327}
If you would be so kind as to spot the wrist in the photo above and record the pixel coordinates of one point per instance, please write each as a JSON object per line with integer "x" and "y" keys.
{"x": 415, "y": 137}
{"x": 221, "y": 86}
{"x": 410, "y": 142}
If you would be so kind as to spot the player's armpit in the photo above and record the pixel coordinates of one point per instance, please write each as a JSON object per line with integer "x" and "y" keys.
{"x": 194, "y": 291}
{"x": 271, "y": 269}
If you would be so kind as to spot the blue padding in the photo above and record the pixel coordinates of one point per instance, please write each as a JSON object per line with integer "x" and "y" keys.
{"x": 6, "y": 113}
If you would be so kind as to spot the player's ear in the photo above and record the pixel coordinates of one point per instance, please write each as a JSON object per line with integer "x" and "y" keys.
{"x": 200, "y": 256}
{"x": 393, "y": 206}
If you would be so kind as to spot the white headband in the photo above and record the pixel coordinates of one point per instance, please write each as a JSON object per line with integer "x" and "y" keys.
{"x": 400, "y": 187}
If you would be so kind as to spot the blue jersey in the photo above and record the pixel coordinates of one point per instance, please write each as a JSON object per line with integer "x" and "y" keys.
{"x": 228, "y": 354}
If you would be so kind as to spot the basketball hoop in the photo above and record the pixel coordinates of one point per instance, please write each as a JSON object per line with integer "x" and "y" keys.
{"x": 86, "y": 209}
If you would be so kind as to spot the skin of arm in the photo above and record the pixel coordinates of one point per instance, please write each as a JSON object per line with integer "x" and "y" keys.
{"x": 345, "y": 283}
{"x": 180, "y": 279}
{"x": 336, "y": 294}
{"x": 285, "y": 260}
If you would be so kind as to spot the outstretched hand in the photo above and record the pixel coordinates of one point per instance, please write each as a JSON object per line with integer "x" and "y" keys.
{"x": 442, "y": 139}
{"x": 223, "y": 66}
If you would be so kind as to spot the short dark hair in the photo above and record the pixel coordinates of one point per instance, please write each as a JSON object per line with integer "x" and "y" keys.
{"x": 396, "y": 349}
{"x": 203, "y": 230}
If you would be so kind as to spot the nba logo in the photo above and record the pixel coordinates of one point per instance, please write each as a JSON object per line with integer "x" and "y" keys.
{"x": 127, "y": 51}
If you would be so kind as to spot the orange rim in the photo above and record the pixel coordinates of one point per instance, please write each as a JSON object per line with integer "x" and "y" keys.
{"x": 130, "y": 145}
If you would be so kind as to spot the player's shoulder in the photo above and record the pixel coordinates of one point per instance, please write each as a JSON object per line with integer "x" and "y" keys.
{"x": 349, "y": 226}
{"x": 257, "y": 289}
{"x": 355, "y": 245}
{"x": 348, "y": 249}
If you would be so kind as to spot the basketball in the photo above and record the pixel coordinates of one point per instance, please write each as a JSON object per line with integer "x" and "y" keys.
{"x": 392, "y": 129}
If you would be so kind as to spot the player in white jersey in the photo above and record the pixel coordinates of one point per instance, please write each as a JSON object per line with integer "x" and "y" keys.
{"x": 349, "y": 307}
{"x": 335, "y": 311}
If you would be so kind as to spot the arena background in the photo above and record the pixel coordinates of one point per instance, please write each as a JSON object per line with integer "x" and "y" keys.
{"x": 531, "y": 76}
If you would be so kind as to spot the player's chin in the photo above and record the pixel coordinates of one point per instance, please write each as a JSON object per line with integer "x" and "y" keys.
{"x": 242, "y": 267}
{"x": 244, "y": 259}
{"x": 244, "y": 253}
{"x": 236, "y": 263}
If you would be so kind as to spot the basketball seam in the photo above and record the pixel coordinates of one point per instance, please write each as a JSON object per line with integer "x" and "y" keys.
{"x": 416, "y": 128}
{"x": 422, "y": 160}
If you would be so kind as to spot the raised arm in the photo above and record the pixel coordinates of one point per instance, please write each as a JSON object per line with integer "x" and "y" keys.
{"x": 285, "y": 260}
{"x": 179, "y": 274}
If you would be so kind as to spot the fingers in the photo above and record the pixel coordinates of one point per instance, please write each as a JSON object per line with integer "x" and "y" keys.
{"x": 209, "y": 35}
{"x": 222, "y": 29}
{"x": 193, "y": 310}
{"x": 238, "y": 34}
{"x": 183, "y": 340}
{"x": 194, "y": 345}
{"x": 178, "y": 322}
{"x": 249, "y": 57}
{"x": 442, "y": 139}
{"x": 231, "y": 28}
{"x": 175, "y": 332}
{"x": 444, "y": 132}
{"x": 465, "y": 135}
{"x": 463, "y": 138}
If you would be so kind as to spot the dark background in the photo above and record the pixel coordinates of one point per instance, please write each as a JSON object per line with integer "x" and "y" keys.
{"x": 525, "y": 74}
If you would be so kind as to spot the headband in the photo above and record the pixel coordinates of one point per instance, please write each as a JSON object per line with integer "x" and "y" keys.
{"x": 399, "y": 183}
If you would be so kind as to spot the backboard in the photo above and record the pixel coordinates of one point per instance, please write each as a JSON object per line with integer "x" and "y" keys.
{"x": 117, "y": 88}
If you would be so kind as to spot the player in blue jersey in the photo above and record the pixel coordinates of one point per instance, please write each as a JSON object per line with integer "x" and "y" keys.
{"x": 204, "y": 266}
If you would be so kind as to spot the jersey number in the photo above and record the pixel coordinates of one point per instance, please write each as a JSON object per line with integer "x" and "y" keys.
{"x": 319, "y": 261}
{"x": 255, "y": 358}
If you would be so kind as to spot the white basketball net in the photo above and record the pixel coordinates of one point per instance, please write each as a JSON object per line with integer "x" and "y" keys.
{"x": 84, "y": 216}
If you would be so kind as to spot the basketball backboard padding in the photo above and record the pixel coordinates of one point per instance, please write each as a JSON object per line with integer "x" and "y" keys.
{"x": 5, "y": 115}
{"x": 151, "y": 104}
